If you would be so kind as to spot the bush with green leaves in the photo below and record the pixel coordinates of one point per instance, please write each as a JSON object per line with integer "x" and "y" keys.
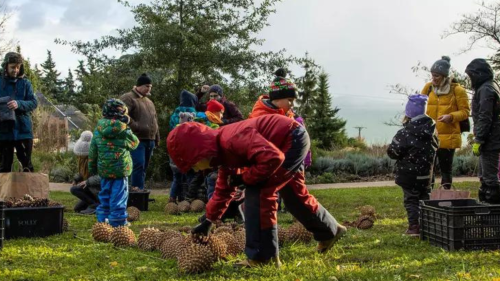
{"x": 358, "y": 164}
{"x": 340, "y": 165}
{"x": 465, "y": 165}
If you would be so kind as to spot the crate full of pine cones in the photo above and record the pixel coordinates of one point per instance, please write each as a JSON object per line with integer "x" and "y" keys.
{"x": 32, "y": 217}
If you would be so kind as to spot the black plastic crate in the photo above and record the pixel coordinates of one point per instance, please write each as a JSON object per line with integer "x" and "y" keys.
{"x": 460, "y": 224}
{"x": 33, "y": 222}
{"x": 140, "y": 200}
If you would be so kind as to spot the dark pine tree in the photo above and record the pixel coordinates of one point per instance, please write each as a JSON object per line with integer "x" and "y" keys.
{"x": 70, "y": 88}
{"x": 51, "y": 85}
{"x": 324, "y": 125}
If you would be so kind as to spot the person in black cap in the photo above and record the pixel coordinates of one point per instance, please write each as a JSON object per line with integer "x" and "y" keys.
{"x": 144, "y": 124}
{"x": 231, "y": 112}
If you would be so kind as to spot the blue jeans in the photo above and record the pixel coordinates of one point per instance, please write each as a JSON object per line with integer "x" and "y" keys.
{"x": 113, "y": 198}
{"x": 180, "y": 181}
{"x": 210, "y": 181}
{"x": 140, "y": 159}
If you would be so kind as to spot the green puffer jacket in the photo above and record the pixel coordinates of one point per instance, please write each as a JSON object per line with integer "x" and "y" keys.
{"x": 109, "y": 154}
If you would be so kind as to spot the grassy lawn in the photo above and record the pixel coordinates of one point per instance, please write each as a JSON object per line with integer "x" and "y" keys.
{"x": 380, "y": 253}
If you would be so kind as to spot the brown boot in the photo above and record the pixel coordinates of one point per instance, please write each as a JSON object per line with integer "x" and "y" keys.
{"x": 172, "y": 200}
{"x": 413, "y": 231}
{"x": 325, "y": 246}
{"x": 248, "y": 263}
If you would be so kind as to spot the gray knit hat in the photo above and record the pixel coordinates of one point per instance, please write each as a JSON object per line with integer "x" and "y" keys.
{"x": 442, "y": 66}
{"x": 82, "y": 145}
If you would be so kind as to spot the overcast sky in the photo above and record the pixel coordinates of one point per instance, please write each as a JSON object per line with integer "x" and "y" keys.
{"x": 364, "y": 45}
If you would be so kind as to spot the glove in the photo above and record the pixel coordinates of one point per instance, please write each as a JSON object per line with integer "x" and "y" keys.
{"x": 476, "y": 149}
{"x": 202, "y": 229}
{"x": 235, "y": 180}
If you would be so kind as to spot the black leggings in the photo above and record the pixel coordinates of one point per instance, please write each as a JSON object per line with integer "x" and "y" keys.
{"x": 23, "y": 152}
{"x": 444, "y": 158}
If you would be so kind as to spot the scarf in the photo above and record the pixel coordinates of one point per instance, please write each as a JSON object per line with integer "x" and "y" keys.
{"x": 444, "y": 88}
{"x": 213, "y": 118}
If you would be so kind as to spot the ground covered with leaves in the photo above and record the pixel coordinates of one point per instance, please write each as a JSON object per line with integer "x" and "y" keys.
{"x": 380, "y": 253}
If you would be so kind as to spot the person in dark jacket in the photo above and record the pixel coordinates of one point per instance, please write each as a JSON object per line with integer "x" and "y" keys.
{"x": 86, "y": 187}
{"x": 269, "y": 150}
{"x": 17, "y": 132}
{"x": 144, "y": 124}
{"x": 231, "y": 112}
{"x": 181, "y": 181}
{"x": 486, "y": 117}
{"x": 414, "y": 147}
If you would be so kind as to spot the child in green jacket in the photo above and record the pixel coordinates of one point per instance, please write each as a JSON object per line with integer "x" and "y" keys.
{"x": 109, "y": 156}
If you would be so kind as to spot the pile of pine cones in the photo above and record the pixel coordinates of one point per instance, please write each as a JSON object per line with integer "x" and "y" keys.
{"x": 27, "y": 201}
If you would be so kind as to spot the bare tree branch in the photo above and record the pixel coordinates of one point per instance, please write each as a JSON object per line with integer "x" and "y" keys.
{"x": 5, "y": 15}
{"x": 480, "y": 26}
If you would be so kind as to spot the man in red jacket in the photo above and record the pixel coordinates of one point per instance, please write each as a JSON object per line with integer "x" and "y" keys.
{"x": 271, "y": 148}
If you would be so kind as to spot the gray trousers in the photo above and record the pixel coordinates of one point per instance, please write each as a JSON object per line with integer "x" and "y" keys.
{"x": 489, "y": 191}
{"x": 488, "y": 167}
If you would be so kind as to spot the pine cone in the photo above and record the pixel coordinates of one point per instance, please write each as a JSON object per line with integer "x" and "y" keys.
{"x": 40, "y": 203}
{"x": 365, "y": 222}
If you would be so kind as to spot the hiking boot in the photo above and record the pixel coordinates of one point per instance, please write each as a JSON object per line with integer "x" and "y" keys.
{"x": 248, "y": 263}
{"x": 202, "y": 218}
{"x": 446, "y": 186}
{"x": 172, "y": 200}
{"x": 492, "y": 194}
{"x": 80, "y": 206}
{"x": 325, "y": 246}
{"x": 88, "y": 211}
{"x": 413, "y": 231}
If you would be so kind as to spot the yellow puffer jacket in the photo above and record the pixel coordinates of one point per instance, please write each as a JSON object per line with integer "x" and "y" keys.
{"x": 455, "y": 103}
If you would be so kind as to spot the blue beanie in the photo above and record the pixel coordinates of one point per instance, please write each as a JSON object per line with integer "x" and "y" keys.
{"x": 416, "y": 105}
{"x": 216, "y": 89}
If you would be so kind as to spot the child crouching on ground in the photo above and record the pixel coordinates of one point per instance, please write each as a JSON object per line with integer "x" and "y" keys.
{"x": 109, "y": 156}
{"x": 414, "y": 147}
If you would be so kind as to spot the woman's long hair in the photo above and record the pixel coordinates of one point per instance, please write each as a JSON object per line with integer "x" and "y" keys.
{"x": 83, "y": 166}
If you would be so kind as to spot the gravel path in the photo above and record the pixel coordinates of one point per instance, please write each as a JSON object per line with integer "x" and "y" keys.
{"x": 65, "y": 187}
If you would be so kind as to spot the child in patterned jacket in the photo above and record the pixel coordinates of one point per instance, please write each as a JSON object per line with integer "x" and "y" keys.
{"x": 109, "y": 156}
{"x": 414, "y": 149}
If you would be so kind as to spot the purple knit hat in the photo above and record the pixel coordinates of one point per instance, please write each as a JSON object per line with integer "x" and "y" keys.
{"x": 416, "y": 105}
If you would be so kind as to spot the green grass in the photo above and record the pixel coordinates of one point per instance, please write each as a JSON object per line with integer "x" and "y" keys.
{"x": 381, "y": 253}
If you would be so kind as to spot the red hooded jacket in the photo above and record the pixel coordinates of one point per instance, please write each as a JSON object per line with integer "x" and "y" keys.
{"x": 257, "y": 144}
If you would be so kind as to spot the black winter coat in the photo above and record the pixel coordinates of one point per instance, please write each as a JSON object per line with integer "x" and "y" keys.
{"x": 231, "y": 113}
{"x": 414, "y": 147}
{"x": 485, "y": 105}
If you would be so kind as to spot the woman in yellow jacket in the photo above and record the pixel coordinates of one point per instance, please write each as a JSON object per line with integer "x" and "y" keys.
{"x": 448, "y": 105}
